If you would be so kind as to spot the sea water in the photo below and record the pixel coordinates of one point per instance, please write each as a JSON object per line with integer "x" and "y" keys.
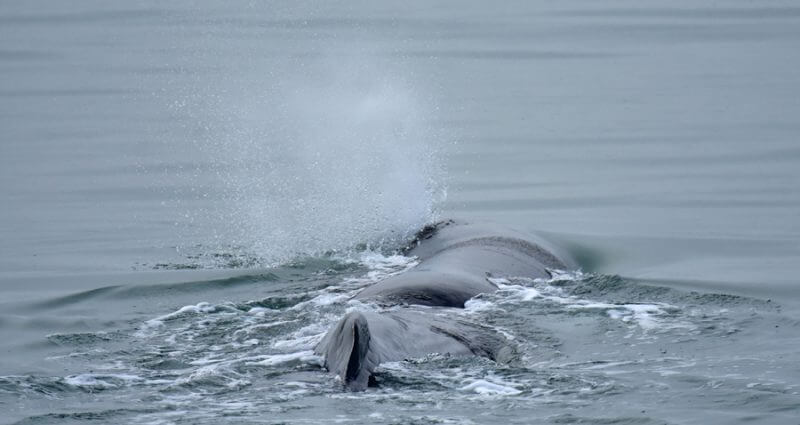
{"x": 192, "y": 192}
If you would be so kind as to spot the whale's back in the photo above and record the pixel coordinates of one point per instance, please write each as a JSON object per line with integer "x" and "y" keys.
{"x": 456, "y": 259}
{"x": 457, "y": 262}
{"x": 360, "y": 341}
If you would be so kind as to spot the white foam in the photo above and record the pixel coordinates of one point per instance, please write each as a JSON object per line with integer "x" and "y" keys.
{"x": 557, "y": 275}
{"x": 304, "y": 338}
{"x": 523, "y": 293}
{"x": 379, "y": 267}
{"x": 202, "y": 307}
{"x": 484, "y": 387}
{"x": 262, "y": 326}
{"x": 395, "y": 263}
{"x": 647, "y": 316}
{"x": 220, "y": 370}
{"x": 297, "y": 384}
{"x": 101, "y": 381}
{"x": 260, "y": 311}
{"x": 277, "y": 359}
{"x": 475, "y": 305}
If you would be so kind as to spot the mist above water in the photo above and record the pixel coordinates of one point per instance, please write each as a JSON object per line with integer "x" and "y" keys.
{"x": 321, "y": 154}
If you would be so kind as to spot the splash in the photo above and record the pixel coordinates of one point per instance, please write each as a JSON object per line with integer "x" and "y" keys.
{"x": 319, "y": 155}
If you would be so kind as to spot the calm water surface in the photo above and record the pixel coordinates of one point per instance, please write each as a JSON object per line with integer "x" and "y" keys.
{"x": 191, "y": 192}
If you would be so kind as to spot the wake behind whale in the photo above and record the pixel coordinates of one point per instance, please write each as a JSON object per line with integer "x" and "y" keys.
{"x": 457, "y": 261}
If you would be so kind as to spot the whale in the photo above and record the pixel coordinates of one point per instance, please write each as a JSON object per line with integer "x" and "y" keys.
{"x": 456, "y": 262}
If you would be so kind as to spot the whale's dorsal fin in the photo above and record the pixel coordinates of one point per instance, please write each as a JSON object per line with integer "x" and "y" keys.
{"x": 349, "y": 356}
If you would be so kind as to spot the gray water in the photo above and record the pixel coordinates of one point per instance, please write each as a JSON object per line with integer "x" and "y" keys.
{"x": 192, "y": 191}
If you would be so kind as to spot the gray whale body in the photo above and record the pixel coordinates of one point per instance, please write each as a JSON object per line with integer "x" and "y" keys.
{"x": 456, "y": 260}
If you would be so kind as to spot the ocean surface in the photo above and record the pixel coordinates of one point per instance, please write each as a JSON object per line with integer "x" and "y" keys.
{"x": 191, "y": 192}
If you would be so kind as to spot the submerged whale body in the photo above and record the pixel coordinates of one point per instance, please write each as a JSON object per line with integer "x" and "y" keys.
{"x": 456, "y": 260}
